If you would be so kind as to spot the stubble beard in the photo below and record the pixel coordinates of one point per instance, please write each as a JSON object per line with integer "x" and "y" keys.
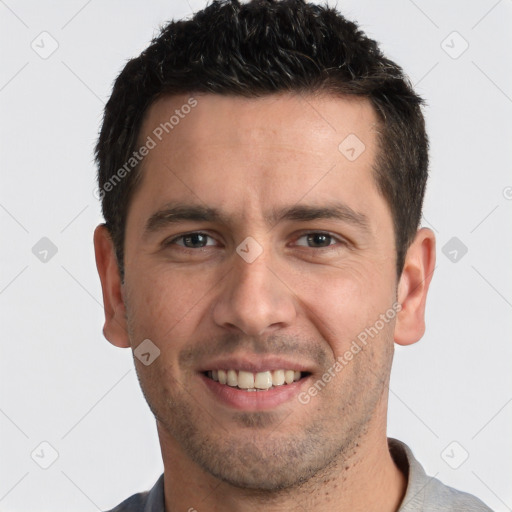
{"x": 263, "y": 452}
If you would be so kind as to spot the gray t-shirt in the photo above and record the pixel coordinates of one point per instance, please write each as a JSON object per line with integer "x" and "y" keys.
{"x": 424, "y": 493}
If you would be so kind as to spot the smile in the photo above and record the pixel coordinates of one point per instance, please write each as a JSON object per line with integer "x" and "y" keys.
{"x": 250, "y": 381}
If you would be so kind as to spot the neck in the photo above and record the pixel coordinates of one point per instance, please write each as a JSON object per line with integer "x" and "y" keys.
{"x": 369, "y": 480}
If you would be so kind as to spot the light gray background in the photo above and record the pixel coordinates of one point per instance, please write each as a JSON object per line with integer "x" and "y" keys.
{"x": 62, "y": 383}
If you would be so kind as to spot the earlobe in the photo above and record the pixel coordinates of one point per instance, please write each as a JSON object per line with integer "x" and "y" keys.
{"x": 413, "y": 287}
{"x": 115, "y": 328}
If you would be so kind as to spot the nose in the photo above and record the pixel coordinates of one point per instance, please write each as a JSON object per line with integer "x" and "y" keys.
{"x": 254, "y": 298}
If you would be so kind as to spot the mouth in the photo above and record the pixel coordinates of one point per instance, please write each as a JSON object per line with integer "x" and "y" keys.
{"x": 256, "y": 381}
{"x": 251, "y": 383}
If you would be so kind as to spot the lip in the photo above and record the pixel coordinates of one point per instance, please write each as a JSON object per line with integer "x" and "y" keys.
{"x": 255, "y": 364}
{"x": 253, "y": 400}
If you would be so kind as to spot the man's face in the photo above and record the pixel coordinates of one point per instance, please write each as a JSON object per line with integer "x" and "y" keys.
{"x": 274, "y": 282}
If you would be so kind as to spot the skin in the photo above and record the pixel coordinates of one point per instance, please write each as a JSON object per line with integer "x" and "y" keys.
{"x": 304, "y": 300}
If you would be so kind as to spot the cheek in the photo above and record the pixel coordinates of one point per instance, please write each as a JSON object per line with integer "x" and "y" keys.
{"x": 161, "y": 308}
{"x": 343, "y": 304}
{"x": 160, "y": 301}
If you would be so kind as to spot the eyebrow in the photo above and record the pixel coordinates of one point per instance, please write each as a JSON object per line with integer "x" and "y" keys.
{"x": 174, "y": 213}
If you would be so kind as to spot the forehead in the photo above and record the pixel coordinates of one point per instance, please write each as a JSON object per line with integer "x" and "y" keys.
{"x": 256, "y": 152}
{"x": 310, "y": 122}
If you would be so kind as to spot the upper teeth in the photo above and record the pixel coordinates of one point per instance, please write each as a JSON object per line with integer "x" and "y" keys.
{"x": 250, "y": 380}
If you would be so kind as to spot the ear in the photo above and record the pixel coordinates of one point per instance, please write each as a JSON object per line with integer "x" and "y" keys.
{"x": 413, "y": 287}
{"x": 115, "y": 328}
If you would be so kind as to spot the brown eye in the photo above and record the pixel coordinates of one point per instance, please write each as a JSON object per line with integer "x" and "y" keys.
{"x": 195, "y": 240}
{"x": 316, "y": 240}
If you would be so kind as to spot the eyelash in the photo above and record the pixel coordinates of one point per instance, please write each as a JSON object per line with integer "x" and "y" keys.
{"x": 330, "y": 246}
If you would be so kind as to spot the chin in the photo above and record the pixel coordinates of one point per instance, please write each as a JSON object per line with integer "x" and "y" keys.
{"x": 264, "y": 465}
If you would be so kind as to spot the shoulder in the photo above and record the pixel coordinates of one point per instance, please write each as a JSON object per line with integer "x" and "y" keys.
{"x": 148, "y": 501}
{"x": 427, "y": 493}
{"x": 135, "y": 503}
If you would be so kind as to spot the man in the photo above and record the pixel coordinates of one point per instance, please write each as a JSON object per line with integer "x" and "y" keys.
{"x": 262, "y": 168}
